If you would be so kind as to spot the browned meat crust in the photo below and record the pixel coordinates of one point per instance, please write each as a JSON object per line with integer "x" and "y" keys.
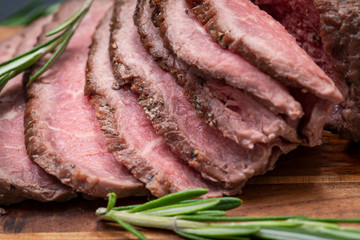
{"x": 340, "y": 33}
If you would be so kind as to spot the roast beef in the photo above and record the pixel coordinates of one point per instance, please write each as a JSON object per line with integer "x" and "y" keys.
{"x": 185, "y": 36}
{"x": 130, "y": 135}
{"x": 202, "y": 93}
{"x": 315, "y": 105}
{"x": 242, "y": 27}
{"x": 329, "y": 32}
{"x": 205, "y": 148}
{"x": 193, "y": 45}
{"x": 62, "y": 134}
{"x": 20, "y": 178}
{"x": 340, "y": 34}
{"x": 302, "y": 21}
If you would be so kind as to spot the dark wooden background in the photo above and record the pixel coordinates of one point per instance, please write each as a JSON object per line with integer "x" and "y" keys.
{"x": 317, "y": 182}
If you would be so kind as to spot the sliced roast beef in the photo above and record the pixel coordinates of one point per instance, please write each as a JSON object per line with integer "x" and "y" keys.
{"x": 62, "y": 134}
{"x": 20, "y": 178}
{"x": 130, "y": 135}
{"x": 242, "y": 27}
{"x": 329, "y": 32}
{"x": 302, "y": 20}
{"x": 218, "y": 158}
{"x": 200, "y": 89}
{"x": 192, "y": 44}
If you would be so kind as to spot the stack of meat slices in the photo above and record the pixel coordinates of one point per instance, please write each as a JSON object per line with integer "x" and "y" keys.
{"x": 178, "y": 95}
{"x": 329, "y": 31}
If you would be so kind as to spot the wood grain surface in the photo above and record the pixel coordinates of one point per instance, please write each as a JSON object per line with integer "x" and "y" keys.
{"x": 317, "y": 182}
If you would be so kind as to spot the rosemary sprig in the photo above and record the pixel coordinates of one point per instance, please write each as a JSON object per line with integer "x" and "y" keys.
{"x": 193, "y": 219}
{"x": 65, "y": 31}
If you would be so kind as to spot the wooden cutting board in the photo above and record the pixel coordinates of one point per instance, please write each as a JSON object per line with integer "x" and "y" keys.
{"x": 318, "y": 182}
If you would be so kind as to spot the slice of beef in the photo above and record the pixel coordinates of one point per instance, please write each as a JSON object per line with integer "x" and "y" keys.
{"x": 20, "y": 178}
{"x": 242, "y": 27}
{"x": 301, "y": 19}
{"x": 193, "y": 45}
{"x": 340, "y": 34}
{"x": 61, "y": 130}
{"x": 218, "y": 158}
{"x": 242, "y": 123}
{"x": 130, "y": 135}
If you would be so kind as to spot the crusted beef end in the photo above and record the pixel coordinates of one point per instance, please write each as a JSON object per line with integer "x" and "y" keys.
{"x": 328, "y": 30}
{"x": 129, "y": 134}
{"x": 340, "y": 34}
{"x": 243, "y": 28}
{"x": 20, "y": 178}
{"x": 62, "y": 134}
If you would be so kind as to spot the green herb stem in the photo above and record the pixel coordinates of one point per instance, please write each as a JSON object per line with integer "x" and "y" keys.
{"x": 17, "y": 65}
{"x": 232, "y": 219}
{"x": 141, "y": 220}
{"x": 217, "y": 213}
{"x": 212, "y": 232}
{"x": 194, "y": 219}
{"x": 127, "y": 227}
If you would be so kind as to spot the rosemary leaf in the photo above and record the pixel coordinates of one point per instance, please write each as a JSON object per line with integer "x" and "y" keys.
{"x": 35, "y": 49}
{"x": 226, "y": 203}
{"x": 195, "y": 237}
{"x": 288, "y": 234}
{"x": 350, "y": 229}
{"x": 182, "y": 208}
{"x": 65, "y": 40}
{"x": 314, "y": 224}
{"x": 69, "y": 22}
{"x": 170, "y": 199}
{"x": 334, "y": 220}
{"x": 122, "y": 208}
{"x": 214, "y": 232}
{"x": 218, "y": 213}
{"x": 259, "y": 224}
{"x": 232, "y": 219}
{"x": 333, "y": 233}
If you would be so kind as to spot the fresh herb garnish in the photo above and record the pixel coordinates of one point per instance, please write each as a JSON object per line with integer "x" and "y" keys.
{"x": 192, "y": 219}
{"x": 30, "y": 12}
{"x": 64, "y": 32}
